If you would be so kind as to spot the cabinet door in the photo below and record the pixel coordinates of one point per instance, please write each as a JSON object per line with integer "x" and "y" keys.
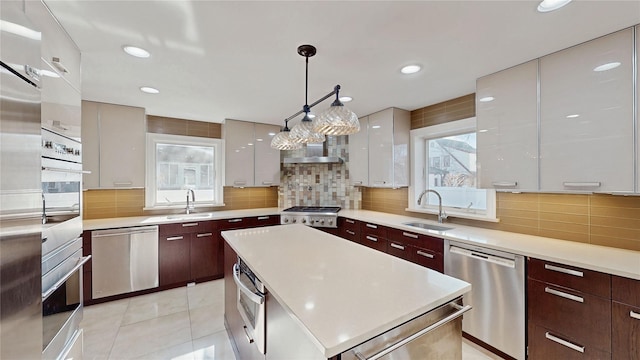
{"x": 625, "y": 342}
{"x": 90, "y": 145}
{"x": 267, "y": 159}
{"x": 206, "y": 256}
{"x": 61, "y": 105}
{"x": 638, "y": 110}
{"x": 174, "y": 258}
{"x": 586, "y": 114}
{"x": 381, "y": 149}
{"x": 401, "y": 165}
{"x": 239, "y": 150}
{"x": 122, "y": 146}
{"x": 359, "y": 154}
{"x": 508, "y": 128}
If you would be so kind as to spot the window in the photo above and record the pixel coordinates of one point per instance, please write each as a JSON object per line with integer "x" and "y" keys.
{"x": 176, "y": 164}
{"x": 444, "y": 160}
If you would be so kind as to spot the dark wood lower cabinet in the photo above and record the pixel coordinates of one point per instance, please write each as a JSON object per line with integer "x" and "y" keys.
{"x": 206, "y": 256}
{"x": 174, "y": 260}
{"x": 626, "y": 331}
{"x": 547, "y": 344}
{"x": 427, "y": 258}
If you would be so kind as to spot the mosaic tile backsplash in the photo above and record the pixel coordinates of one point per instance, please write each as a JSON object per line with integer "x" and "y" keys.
{"x": 319, "y": 184}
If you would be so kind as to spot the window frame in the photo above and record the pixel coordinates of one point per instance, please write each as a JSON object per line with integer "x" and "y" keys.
{"x": 417, "y": 143}
{"x": 150, "y": 172}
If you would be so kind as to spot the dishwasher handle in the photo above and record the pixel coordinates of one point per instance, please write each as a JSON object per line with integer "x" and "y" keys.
{"x": 498, "y": 260}
{"x": 461, "y": 310}
{"x": 124, "y": 231}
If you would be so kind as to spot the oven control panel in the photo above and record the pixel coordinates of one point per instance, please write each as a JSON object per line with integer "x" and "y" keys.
{"x": 56, "y": 146}
{"x": 310, "y": 220}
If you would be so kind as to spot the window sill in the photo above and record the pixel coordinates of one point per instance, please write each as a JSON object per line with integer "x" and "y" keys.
{"x": 181, "y": 207}
{"x": 455, "y": 214}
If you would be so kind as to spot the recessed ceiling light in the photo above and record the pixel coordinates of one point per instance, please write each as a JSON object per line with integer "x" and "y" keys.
{"x": 49, "y": 73}
{"x": 250, "y": 144}
{"x": 258, "y": 139}
{"x": 375, "y": 127}
{"x": 345, "y": 98}
{"x": 272, "y": 134}
{"x": 487, "y": 99}
{"x": 607, "y": 66}
{"x": 149, "y": 90}
{"x": 410, "y": 69}
{"x": 136, "y": 51}
{"x": 573, "y": 116}
{"x": 550, "y": 5}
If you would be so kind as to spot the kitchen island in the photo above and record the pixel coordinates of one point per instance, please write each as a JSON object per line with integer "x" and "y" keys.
{"x": 337, "y": 295}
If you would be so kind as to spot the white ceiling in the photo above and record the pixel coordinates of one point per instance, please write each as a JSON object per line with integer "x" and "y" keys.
{"x": 213, "y": 60}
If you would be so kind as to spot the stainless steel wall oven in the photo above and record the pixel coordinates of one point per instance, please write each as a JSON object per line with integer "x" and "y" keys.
{"x": 251, "y": 304}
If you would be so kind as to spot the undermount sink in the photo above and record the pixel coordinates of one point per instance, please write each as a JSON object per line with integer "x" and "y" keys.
{"x": 428, "y": 226}
{"x": 188, "y": 216}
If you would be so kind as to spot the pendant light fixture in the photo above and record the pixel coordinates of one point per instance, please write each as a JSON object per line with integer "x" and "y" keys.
{"x": 337, "y": 120}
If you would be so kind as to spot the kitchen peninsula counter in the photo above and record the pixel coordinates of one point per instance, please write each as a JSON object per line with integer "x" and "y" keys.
{"x": 339, "y": 292}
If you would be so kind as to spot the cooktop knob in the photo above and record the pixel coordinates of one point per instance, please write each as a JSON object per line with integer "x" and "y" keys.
{"x": 304, "y": 221}
{"x": 286, "y": 220}
{"x": 294, "y": 220}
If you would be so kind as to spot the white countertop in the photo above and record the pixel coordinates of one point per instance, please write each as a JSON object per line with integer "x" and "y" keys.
{"x": 340, "y": 292}
{"x": 609, "y": 260}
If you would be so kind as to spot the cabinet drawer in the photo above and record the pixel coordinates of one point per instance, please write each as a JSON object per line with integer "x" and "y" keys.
{"x": 427, "y": 258}
{"x": 345, "y": 223}
{"x": 418, "y": 240}
{"x": 583, "y": 317}
{"x": 545, "y": 344}
{"x": 376, "y": 242}
{"x": 586, "y": 281}
{"x": 350, "y": 234}
{"x": 625, "y": 290}
{"x": 399, "y": 249}
{"x": 236, "y": 223}
{"x": 625, "y": 342}
{"x": 186, "y": 228}
{"x": 265, "y": 220}
{"x": 373, "y": 229}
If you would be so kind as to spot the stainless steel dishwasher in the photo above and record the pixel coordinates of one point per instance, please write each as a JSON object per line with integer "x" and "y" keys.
{"x": 497, "y": 295}
{"x": 124, "y": 260}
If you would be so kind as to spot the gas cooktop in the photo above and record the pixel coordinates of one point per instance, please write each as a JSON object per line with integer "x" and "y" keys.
{"x": 313, "y": 209}
{"x": 316, "y": 216}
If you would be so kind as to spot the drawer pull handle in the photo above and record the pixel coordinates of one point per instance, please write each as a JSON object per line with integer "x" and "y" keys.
{"x": 235, "y": 220}
{"x": 372, "y": 226}
{"x": 175, "y": 238}
{"x": 349, "y": 221}
{"x": 425, "y": 254}
{"x": 413, "y": 236}
{"x": 267, "y": 183}
{"x": 204, "y": 235}
{"x": 371, "y": 238}
{"x": 563, "y": 270}
{"x": 350, "y": 232}
{"x": 570, "y": 345}
{"x": 634, "y": 315}
{"x": 505, "y": 183}
{"x": 399, "y": 247}
{"x": 563, "y": 294}
{"x": 263, "y": 218}
{"x": 580, "y": 184}
{"x": 189, "y": 224}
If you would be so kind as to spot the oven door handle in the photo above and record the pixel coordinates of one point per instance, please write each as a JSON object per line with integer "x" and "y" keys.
{"x": 70, "y": 171}
{"x": 256, "y": 298}
{"x": 54, "y": 287}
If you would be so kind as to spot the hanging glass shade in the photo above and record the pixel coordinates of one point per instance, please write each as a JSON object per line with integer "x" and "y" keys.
{"x": 337, "y": 120}
{"x": 303, "y": 132}
{"x": 282, "y": 140}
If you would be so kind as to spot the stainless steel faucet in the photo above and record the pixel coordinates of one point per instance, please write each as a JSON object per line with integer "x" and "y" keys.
{"x": 441, "y": 214}
{"x": 191, "y": 205}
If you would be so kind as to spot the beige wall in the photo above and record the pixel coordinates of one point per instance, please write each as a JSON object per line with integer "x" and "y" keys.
{"x": 596, "y": 219}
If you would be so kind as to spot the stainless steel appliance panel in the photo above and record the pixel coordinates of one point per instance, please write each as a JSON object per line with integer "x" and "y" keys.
{"x": 20, "y": 191}
{"x": 124, "y": 260}
{"x": 497, "y": 295}
{"x": 251, "y": 296}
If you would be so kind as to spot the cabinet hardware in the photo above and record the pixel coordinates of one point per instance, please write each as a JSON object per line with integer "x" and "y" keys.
{"x": 267, "y": 183}
{"x": 235, "y": 220}
{"x": 122, "y": 183}
{"x": 634, "y": 315}
{"x": 425, "y": 254}
{"x": 505, "y": 183}
{"x": 189, "y": 224}
{"x": 349, "y": 221}
{"x": 263, "y": 218}
{"x": 371, "y": 238}
{"x": 240, "y": 182}
{"x": 350, "y": 232}
{"x": 204, "y": 235}
{"x": 55, "y": 61}
{"x": 399, "y": 247}
{"x": 413, "y": 236}
{"x": 372, "y": 226}
{"x": 582, "y": 184}
{"x": 566, "y": 343}
{"x": 563, "y": 294}
{"x": 175, "y": 238}
{"x": 563, "y": 270}
{"x": 246, "y": 333}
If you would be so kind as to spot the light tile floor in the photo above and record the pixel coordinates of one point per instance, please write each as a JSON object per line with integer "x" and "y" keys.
{"x": 185, "y": 323}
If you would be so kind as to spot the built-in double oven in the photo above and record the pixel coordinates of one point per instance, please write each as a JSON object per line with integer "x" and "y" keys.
{"x": 62, "y": 258}
{"x": 251, "y": 304}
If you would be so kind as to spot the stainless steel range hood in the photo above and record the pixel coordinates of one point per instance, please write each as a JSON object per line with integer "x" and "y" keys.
{"x": 314, "y": 154}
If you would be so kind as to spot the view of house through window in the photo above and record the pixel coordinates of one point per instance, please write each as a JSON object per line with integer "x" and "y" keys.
{"x": 452, "y": 172}
{"x": 181, "y": 167}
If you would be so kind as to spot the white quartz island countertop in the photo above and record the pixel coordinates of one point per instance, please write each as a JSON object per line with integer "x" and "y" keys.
{"x": 339, "y": 292}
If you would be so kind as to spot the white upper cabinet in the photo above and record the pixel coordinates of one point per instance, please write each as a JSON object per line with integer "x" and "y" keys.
{"x": 249, "y": 158}
{"x": 267, "y": 159}
{"x": 586, "y": 116}
{"x": 507, "y": 128}
{"x": 389, "y": 148}
{"x": 113, "y": 138}
{"x": 637, "y": 29}
{"x": 359, "y": 154}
